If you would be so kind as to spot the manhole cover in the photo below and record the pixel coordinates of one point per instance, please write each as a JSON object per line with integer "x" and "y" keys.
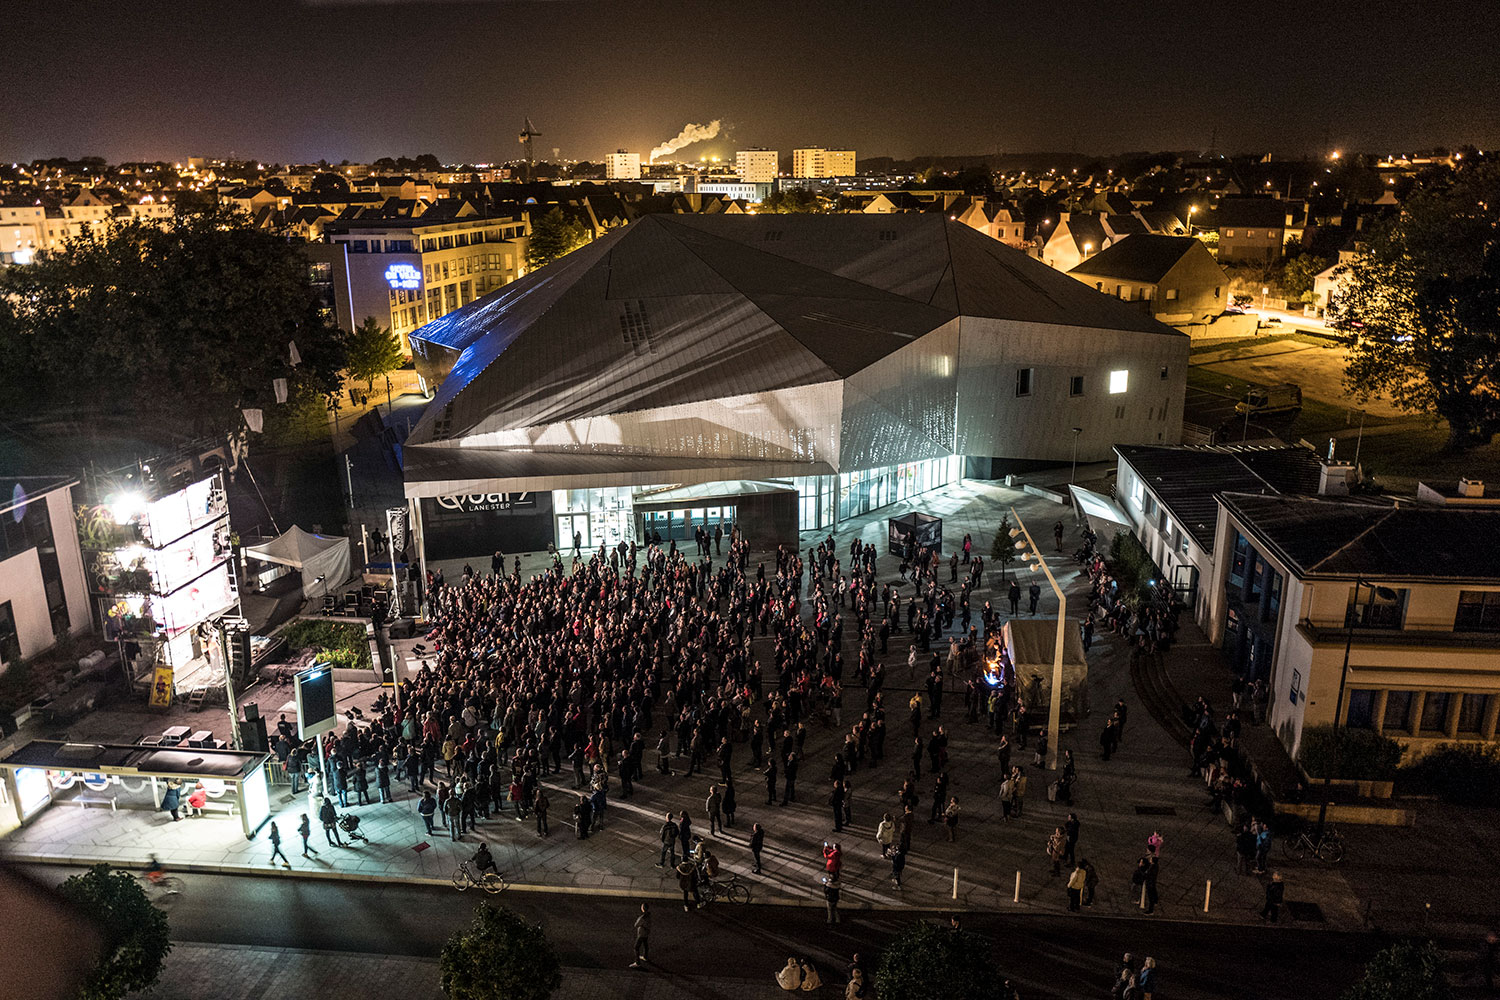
{"x": 1306, "y": 912}
{"x": 1155, "y": 810}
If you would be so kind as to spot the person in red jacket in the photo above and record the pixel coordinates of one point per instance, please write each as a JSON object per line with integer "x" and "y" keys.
{"x": 833, "y": 859}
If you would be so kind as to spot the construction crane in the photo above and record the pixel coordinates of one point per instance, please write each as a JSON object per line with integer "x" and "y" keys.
{"x": 528, "y": 134}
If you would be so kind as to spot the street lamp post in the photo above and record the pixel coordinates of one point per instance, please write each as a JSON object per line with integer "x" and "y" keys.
{"x": 1338, "y": 706}
{"x": 1076, "y": 432}
{"x": 1054, "y": 709}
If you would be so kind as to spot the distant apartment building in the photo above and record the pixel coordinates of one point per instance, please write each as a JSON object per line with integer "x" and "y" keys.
{"x": 27, "y": 227}
{"x": 43, "y": 589}
{"x": 757, "y": 166}
{"x": 622, "y": 166}
{"x": 409, "y": 271}
{"x": 815, "y": 162}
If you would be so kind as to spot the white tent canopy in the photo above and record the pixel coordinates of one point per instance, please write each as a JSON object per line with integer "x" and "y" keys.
{"x": 315, "y": 555}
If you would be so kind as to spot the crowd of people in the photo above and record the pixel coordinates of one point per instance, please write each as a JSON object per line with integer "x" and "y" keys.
{"x": 646, "y": 648}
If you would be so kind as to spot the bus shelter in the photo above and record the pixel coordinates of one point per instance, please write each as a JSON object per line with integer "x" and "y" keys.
{"x": 44, "y": 773}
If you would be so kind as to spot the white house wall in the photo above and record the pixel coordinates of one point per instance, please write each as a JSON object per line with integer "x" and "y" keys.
{"x": 993, "y": 421}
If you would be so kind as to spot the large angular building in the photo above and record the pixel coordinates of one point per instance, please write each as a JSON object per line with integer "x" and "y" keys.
{"x": 782, "y": 372}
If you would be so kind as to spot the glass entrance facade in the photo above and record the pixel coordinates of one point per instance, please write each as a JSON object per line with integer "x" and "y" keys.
{"x": 862, "y": 491}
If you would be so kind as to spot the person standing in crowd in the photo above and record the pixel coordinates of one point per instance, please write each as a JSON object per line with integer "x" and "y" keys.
{"x": 757, "y": 842}
{"x": 713, "y": 805}
{"x": 831, "y": 889}
{"x": 330, "y": 819}
{"x": 426, "y": 809}
{"x": 540, "y": 806}
{"x": 668, "y": 842}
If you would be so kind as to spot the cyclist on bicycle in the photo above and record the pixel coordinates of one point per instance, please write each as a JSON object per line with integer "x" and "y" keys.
{"x": 154, "y": 870}
{"x": 483, "y": 861}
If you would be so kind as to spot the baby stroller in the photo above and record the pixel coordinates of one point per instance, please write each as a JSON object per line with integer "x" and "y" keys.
{"x": 349, "y": 823}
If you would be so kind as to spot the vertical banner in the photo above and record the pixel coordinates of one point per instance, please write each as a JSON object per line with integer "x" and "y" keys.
{"x": 161, "y": 687}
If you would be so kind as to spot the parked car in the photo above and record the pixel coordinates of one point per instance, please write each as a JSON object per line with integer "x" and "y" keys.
{"x": 1271, "y": 399}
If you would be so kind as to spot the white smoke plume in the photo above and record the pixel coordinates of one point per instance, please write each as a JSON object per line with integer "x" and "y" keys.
{"x": 689, "y": 135}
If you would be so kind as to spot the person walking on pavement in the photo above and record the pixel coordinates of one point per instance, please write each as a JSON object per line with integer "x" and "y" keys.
{"x": 276, "y": 851}
{"x": 836, "y": 801}
{"x": 642, "y": 937}
{"x": 757, "y": 841}
{"x": 1057, "y": 532}
{"x": 831, "y": 896}
{"x": 1076, "y": 883}
{"x": 330, "y": 820}
{"x": 1275, "y": 896}
{"x": 1071, "y": 827}
{"x": 770, "y": 773}
{"x": 713, "y": 805}
{"x": 304, "y": 830}
{"x": 898, "y": 864}
{"x": 789, "y": 779}
{"x": 1014, "y": 596}
{"x": 668, "y": 842}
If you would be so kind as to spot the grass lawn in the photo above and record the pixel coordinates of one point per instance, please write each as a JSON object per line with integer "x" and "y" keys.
{"x": 1398, "y": 451}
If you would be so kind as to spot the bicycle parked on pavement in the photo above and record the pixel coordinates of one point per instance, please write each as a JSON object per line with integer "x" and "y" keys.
{"x": 1327, "y": 847}
{"x": 466, "y": 877}
{"x": 730, "y": 888}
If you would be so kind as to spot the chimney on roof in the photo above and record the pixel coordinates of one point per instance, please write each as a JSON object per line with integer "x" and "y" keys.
{"x": 1470, "y": 487}
{"x": 1334, "y": 478}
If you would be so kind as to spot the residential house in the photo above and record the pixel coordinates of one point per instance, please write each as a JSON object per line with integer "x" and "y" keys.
{"x": 1250, "y": 229}
{"x": 1078, "y": 237}
{"x": 1175, "y": 277}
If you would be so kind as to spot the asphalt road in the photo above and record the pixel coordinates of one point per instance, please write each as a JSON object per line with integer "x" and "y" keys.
{"x": 1045, "y": 956}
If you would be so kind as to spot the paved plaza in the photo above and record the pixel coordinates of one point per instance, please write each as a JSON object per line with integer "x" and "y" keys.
{"x": 1143, "y": 789}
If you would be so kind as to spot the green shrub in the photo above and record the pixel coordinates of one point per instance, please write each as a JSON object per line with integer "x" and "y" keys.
{"x": 926, "y": 961}
{"x": 1132, "y": 566}
{"x": 1464, "y": 773}
{"x": 340, "y": 643}
{"x": 1350, "y": 754}
{"x": 1408, "y": 970}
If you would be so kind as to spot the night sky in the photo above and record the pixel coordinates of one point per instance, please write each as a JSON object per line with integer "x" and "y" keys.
{"x": 298, "y": 81}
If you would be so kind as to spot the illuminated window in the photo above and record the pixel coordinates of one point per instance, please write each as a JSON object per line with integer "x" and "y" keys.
{"x": 1117, "y": 380}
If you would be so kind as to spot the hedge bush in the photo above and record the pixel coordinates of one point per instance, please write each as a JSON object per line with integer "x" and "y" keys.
{"x": 1350, "y": 754}
{"x": 339, "y": 643}
{"x": 1464, "y": 773}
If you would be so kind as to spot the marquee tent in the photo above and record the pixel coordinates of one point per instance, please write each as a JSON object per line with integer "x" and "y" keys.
{"x": 315, "y": 555}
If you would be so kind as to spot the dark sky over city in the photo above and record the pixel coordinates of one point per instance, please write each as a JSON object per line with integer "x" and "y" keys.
{"x": 300, "y": 80}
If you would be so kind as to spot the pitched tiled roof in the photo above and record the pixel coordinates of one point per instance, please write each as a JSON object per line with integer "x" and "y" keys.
{"x": 1145, "y": 257}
